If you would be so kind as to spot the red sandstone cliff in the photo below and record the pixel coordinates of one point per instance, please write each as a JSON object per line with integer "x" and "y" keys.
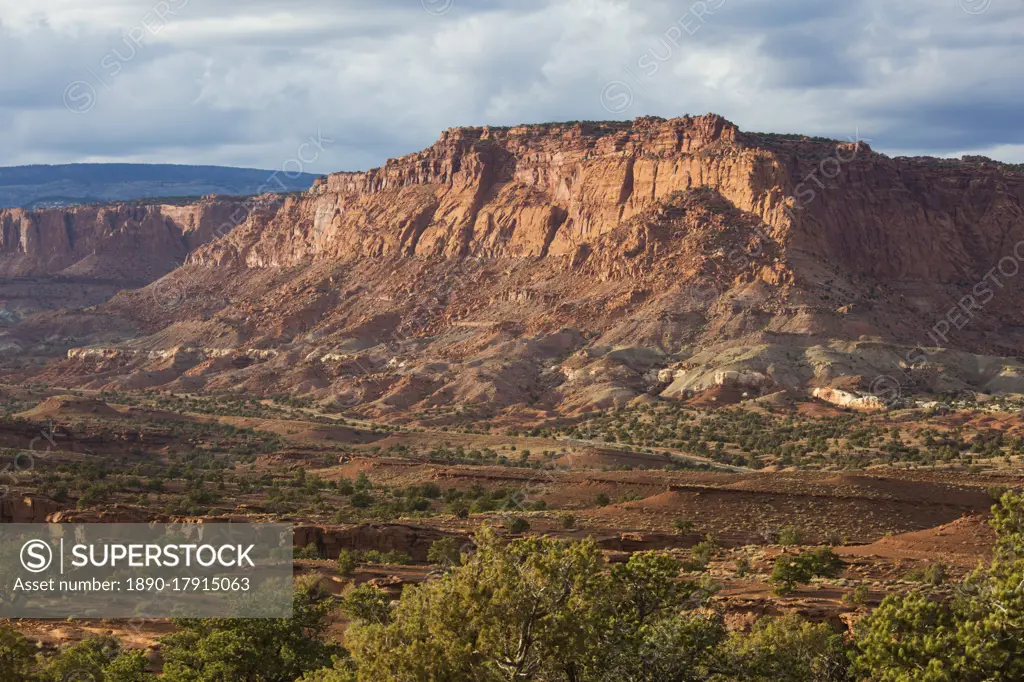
{"x": 80, "y": 256}
{"x": 128, "y": 242}
{"x": 545, "y": 190}
{"x": 520, "y": 264}
{"x": 525, "y": 191}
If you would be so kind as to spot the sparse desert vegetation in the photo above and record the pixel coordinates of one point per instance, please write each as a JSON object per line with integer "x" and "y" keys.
{"x": 829, "y": 521}
{"x": 553, "y": 610}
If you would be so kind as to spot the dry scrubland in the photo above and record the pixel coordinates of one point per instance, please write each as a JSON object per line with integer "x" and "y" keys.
{"x": 726, "y": 494}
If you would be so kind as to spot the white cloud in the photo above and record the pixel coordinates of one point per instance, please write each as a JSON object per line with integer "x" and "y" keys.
{"x": 244, "y": 83}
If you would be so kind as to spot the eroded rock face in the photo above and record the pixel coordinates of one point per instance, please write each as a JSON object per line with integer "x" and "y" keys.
{"x": 82, "y": 255}
{"x": 868, "y": 403}
{"x": 124, "y": 242}
{"x": 856, "y": 231}
{"x": 27, "y": 508}
{"x": 548, "y": 190}
{"x": 528, "y": 191}
{"x": 569, "y": 266}
{"x": 412, "y": 540}
{"x": 117, "y": 514}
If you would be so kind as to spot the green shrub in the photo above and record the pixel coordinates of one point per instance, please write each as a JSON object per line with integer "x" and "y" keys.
{"x": 858, "y": 596}
{"x": 214, "y": 649}
{"x": 368, "y": 604}
{"x": 518, "y": 525}
{"x": 791, "y": 536}
{"x": 631, "y": 622}
{"x": 787, "y": 649}
{"x": 95, "y": 658}
{"x": 361, "y": 499}
{"x": 459, "y": 509}
{"x": 933, "y": 573}
{"x": 791, "y": 570}
{"x": 996, "y": 492}
{"x": 17, "y": 656}
{"x": 391, "y": 558}
{"x": 445, "y": 552}
{"x": 347, "y": 563}
{"x": 683, "y": 526}
{"x": 702, "y": 554}
{"x": 310, "y": 551}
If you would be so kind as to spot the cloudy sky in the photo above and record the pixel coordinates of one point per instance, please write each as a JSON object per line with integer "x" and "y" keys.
{"x": 247, "y": 83}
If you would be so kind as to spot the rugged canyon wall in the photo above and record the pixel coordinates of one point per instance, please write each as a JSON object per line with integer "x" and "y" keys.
{"x": 535, "y": 191}
{"x": 916, "y": 234}
{"x": 903, "y": 219}
{"x": 583, "y": 265}
{"x": 79, "y": 256}
{"x": 527, "y": 191}
{"x": 129, "y": 242}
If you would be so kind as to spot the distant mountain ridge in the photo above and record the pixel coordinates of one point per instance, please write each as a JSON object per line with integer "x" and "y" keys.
{"x": 45, "y": 186}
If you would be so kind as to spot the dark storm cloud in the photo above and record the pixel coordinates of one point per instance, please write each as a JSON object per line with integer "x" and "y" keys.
{"x": 245, "y": 83}
{"x": 806, "y": 60}
{"x": 954, "y": 125}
